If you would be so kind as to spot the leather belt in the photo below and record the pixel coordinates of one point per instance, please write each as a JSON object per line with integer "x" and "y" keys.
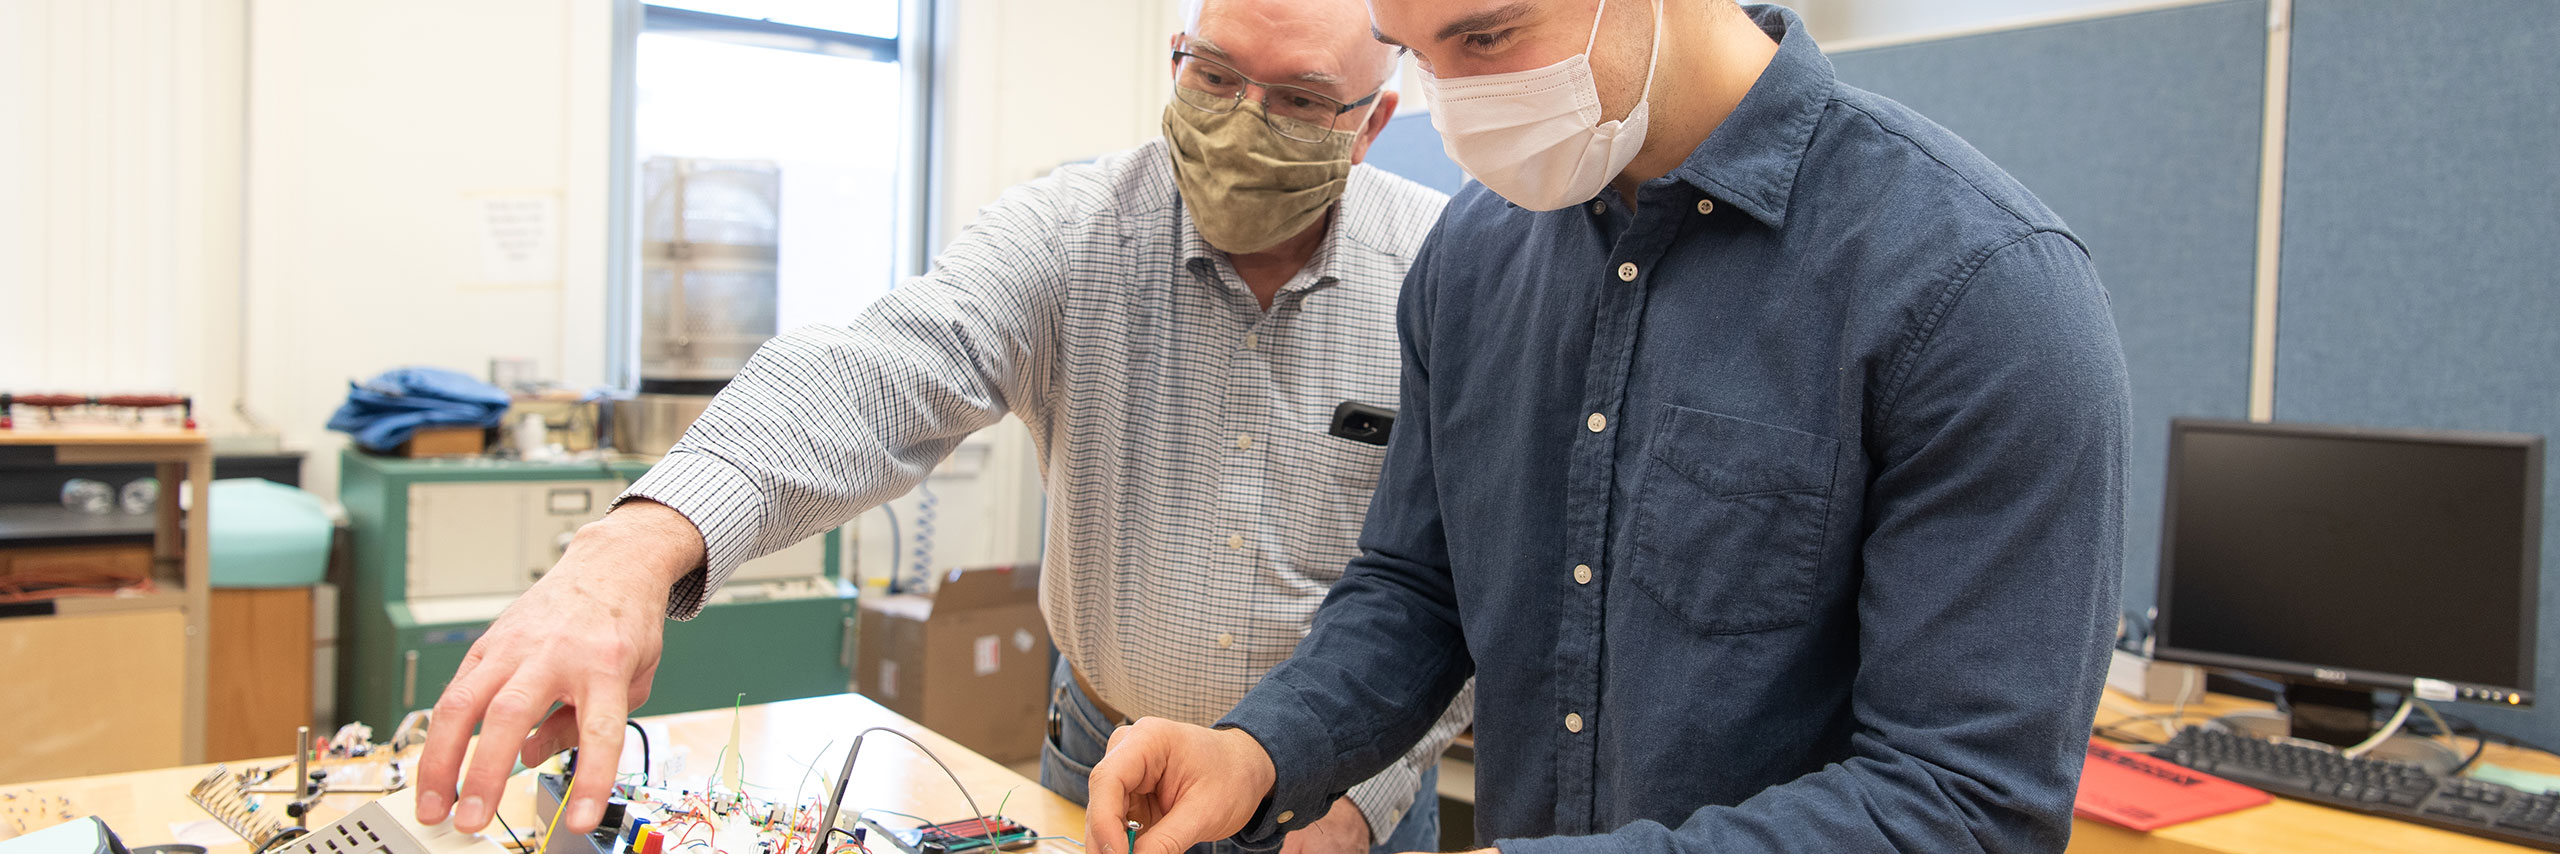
{"x": 1058, "y": 699}
{"x": 1091, "y": 696}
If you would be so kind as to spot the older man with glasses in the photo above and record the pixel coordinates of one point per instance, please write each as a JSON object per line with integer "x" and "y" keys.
{"x": 1176, "y": 324}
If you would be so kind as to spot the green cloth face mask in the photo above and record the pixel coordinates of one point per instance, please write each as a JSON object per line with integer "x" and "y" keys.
{"x": 1249, "y": 188}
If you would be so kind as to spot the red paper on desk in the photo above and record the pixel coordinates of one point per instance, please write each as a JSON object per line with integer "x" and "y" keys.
{"x": 2130, "y": 789}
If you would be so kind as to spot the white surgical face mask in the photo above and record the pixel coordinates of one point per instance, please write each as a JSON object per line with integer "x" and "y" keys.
{"x": 1535, "y": 137}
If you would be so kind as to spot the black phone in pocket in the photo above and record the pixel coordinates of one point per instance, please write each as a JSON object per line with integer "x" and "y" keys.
{"x": 1361, "y": 422}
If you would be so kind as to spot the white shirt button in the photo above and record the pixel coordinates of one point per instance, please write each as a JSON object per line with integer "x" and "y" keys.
{"x": 1598, "y": 206}
{"x": 1581, "y": 573}
{"x": 1244, "y": 443}
{"x": 1706, "y": 206}
{"x": 1250, "y": 340}
{"x": 1573, "y": 722}
{"x": 1235, "y": 541}
{"x": 1226, "y": 640}
{"x": 1627, "y": 271}
{"x": 1285, "y": 816}
{"x": 1597, "y": 422}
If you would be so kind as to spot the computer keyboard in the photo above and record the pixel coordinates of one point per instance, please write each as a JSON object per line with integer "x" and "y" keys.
{"x": 2391, "y": 789}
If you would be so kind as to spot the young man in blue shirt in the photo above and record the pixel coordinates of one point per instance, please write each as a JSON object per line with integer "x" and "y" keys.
{"x": 1760, "y": 456}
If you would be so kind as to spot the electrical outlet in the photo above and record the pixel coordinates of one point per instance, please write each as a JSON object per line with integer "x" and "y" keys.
{"x": 389, "y": 826}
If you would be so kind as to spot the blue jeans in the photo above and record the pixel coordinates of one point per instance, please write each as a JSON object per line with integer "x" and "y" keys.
{"x": 1081, "y": 733}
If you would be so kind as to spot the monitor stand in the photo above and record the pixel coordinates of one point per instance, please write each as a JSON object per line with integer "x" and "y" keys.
{"x": 2339, "y": 717}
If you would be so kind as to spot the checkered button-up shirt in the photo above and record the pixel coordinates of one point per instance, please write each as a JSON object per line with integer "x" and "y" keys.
{"x": 1199, "y": 510}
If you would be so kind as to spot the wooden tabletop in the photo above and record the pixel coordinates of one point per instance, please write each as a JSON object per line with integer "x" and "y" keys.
{"x": 2285, "y": 825}
{"x": 779, "y": 743}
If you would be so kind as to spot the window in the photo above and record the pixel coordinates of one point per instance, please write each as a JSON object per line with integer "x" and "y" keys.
{"x": 804, "y": 116}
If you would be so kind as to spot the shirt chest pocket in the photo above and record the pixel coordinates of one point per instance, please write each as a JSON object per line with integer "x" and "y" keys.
{"x": 1729, "y": 521}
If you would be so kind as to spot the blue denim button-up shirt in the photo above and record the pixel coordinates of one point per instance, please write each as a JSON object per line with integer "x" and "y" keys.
{"x": 1782, "y": 514}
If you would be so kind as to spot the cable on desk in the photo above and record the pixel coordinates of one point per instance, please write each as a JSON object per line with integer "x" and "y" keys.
{"x": 287, "y": 835}
{"x": 514, "y": 842}
{"x": 836, "y": 800}
{"x": 2398, "y": 718}
{"x": 645, "y": 764}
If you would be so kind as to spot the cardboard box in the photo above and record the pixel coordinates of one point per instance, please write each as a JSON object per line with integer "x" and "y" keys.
{"x": 2155, "y": 681}
{"x": 969, "y": 661}
{"x": 443, "y": 442}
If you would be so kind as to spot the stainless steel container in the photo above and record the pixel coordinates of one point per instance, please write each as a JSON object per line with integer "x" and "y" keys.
{"x": 649, "y": 424}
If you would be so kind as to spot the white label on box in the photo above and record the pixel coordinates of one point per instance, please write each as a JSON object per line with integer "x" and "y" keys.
{"x": 987, "y": 648}
{"x": 888, "y": 686}
{"x": 1022, "y": 640}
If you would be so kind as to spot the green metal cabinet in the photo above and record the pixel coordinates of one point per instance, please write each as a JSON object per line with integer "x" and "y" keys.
{"x": 442, "y": 545}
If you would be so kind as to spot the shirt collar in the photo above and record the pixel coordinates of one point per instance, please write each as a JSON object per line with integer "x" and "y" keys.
{"x": 1750, "y": 161}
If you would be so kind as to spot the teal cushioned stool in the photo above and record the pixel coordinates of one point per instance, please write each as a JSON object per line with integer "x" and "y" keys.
{"x": 267, "y": 534}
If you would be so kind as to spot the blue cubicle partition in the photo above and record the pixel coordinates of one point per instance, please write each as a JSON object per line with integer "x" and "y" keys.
{"x": 2143, "y": 132}
{"x": 1409, "y": 147}
{"x": 2420, "y": 283}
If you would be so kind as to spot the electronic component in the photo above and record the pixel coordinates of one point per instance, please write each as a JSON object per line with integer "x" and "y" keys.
{"x": 383, "y": 827}
{"x": 550, "y": 789}
{"x": 955, "y": 837}
{"x": 226, "y": 797}
{"x": 85, "y": 835}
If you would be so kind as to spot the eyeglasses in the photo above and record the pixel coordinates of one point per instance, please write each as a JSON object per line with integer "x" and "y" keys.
{"x": 1211, "y": 86}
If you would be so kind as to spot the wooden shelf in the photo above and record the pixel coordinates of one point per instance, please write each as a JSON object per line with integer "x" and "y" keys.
{"x": 163, "y": 634}
{"x": 148, "y": 437}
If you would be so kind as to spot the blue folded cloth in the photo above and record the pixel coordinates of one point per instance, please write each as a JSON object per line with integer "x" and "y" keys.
{"x": 383, "y": 412}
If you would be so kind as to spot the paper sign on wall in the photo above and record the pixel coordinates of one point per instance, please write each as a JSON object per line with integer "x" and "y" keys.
{"x": 519, "y": 238}
{"x": 888, "y": 687}
{"x": 987, "y": 648}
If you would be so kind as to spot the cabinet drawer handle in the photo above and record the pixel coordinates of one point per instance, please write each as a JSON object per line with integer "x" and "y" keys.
{"x": 844, "y": 648}
{"x": 409, "y": 680}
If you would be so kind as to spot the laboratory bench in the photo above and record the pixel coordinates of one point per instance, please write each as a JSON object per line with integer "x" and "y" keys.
{"x": 778, "y": 744}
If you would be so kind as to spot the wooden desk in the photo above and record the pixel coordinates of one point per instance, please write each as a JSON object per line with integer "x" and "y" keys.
{"x": 2286, "y": 825}
{"x": 778, "y": 743}
{"x": 96, "y": 675}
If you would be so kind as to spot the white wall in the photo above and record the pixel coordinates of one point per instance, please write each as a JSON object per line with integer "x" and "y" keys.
{"x": 1028, "y": 85}
{"x": 119, "y": 196}
{"x": 374, "y": 129}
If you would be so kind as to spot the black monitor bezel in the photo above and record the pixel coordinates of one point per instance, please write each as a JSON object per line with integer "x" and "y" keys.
{"x": 2528, "y": 603}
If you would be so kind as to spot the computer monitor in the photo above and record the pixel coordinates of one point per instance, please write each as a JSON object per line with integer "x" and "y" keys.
{"x": 2346, "y": 560}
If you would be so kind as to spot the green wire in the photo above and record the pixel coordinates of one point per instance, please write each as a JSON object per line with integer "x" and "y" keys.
{"x": 919, "y": 819}
{"x": 737, "y": 717}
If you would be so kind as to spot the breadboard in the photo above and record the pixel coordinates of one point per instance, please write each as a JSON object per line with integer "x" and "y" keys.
{"x": 222, "y": 794}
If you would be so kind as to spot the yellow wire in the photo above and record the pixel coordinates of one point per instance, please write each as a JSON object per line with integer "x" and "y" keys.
{"x": 556, "y": 811}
